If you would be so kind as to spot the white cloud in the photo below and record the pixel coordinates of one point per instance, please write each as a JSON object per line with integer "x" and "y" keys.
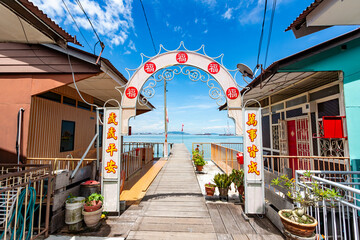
{"x": 127, "y": 52}
{"x": 228, "y": 14}
{"x": 196, "y": 20}
{"x": 177, "y": 28}
{"x": 206, "y": 31}
{"x": 112, "y": 20}
{"x": 209, "y": 3}
{"x": 132, "y": 46}
{"x": 167, "y": 23}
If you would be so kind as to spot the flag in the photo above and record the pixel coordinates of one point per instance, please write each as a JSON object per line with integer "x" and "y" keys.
{"x": 182, "y": 127}
{"x": 167, "y": 117}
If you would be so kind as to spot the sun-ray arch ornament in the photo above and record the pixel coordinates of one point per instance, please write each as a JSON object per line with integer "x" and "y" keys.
{"x": 182, "y": 56}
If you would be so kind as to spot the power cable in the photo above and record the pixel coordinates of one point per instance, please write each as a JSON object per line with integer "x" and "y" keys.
{"x": 261, "y": 36}
{"x": 77, "y": 26}
{"x": 270, "y": 31}
{"x": 92, "y": 26}
{"x": 147, "y": 23}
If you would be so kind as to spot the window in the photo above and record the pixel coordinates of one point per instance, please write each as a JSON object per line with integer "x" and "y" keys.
{"x": 69, "y": 101}
{"x": 84, "y": 106}
{"x": 329, "y": 108}
{"x": 324, "y": 93}
{"x": 67, "y": 136}
{"x": 266, "y": 131}
{"x": 51, "y": 96}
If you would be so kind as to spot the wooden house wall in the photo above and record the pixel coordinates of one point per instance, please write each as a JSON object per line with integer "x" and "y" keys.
{"x": 45, "y": 128}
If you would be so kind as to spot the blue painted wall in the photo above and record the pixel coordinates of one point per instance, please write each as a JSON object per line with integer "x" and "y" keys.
{"x": 348, "y": 61}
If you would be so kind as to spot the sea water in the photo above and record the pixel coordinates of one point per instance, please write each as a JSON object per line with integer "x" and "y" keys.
{"x": 188, "y": 140}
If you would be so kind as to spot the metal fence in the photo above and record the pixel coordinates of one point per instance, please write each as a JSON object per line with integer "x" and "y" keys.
{"x": 61, "y": 163}
{"x": 25, "y": 194}
{"x": 277, "y": 164}
{"x": 158, "y": 148}
{"x": 337, "y": 219}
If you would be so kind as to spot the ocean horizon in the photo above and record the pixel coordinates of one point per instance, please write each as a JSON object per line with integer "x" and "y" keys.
{"x": 188, "y": 140}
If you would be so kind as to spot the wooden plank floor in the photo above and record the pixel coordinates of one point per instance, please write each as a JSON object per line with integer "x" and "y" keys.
{"x": 174, "y": 208}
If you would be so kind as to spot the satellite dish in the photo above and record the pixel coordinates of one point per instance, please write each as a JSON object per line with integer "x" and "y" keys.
{"x": 245, "y": 70}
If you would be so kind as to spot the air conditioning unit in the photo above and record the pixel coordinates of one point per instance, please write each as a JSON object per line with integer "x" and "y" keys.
{"x": 309, "y": 107}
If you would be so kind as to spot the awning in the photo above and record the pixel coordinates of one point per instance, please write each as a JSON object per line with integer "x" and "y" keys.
{"x": 22, "y": 22}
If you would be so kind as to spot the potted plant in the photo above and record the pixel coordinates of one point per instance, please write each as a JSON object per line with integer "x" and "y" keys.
{"x": 296, "y": 221}
{"x": 210, "y": 189}
{"x": 223, "y": 182}
{"x": 237, "y": 177}
{"x": 199, "y": 161}
{"x": 93, "y": 209}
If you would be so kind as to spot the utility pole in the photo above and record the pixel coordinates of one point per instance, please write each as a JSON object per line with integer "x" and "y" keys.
{"x": 165, "y": 121}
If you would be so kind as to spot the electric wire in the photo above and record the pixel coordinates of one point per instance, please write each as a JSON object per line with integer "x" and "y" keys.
{"x": 77, "y": 26}
{"x": 92, "y": 26}
{"x": 270, "y": 31}
{"x": 147, "y": 23}
{"x": 261, "y": 36}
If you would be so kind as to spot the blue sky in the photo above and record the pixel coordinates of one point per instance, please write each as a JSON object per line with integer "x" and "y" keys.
{"x": 228, "y": 27}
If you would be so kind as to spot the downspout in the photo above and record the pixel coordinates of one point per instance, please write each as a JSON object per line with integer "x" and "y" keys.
{"x": 18, "y": 136}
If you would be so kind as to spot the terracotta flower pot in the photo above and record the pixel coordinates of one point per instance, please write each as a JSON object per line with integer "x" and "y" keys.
{"x": 223, "y": 192}
{"x": 210, "y": 191}
{"x": 299, "y": 229}
{"x": 92, "y": 208}
{"x": 91, "y": 219}
{"x": 199, "y": 168}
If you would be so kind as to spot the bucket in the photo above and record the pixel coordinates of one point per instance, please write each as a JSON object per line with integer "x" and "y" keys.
{"x": 73, "y": 209}
{"x": 89, "y": 187}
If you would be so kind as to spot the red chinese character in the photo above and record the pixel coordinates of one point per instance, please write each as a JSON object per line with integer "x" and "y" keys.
{"x": 111, "y": 133}
{"x": 252, "y": 150}
{"x": 112, "y": 119}
{"x": 252, "y": 134}
{"x": 181, "y": 57}
{"x": 131, "y": 92}
{"x": 111, "y": 166}
{"x": 149, "y": 67}
{"x": 214, "y": 68}
{"x": 111, "y": 149}
{"x": 251, "y": 119}
{"x": 253, "y": 168}
{"x": 232, "y": 93}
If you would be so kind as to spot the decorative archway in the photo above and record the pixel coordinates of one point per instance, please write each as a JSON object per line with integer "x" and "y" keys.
{"x": 185, "y": 58}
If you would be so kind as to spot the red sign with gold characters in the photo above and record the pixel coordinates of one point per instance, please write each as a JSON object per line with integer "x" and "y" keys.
{"x": 131, "y": 92}
{"x": 149, "y": 67}
{"x": 181, "y": 57}
{"x": 232, "y": 93}
{"x": 253, "y": 163}
{"x": 214, "y": 68}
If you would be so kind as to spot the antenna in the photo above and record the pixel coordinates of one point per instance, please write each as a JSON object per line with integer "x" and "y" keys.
{"x": 245, "y": 70}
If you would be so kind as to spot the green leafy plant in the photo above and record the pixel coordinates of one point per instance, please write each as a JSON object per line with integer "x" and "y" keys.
{"x": 199, "y": 161}
{"x": 309, "y": 196}
{"x": 222, "y": 180}
{"x": 237, "y": 177}
{"x": 94, "y": 199}
{"x": 210, "y": 185}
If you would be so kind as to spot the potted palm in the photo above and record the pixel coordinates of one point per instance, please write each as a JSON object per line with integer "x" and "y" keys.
{"x": 199, "y": 161}
{"x": 93, "y": 209}
{"x": 296, "y": 221}
{"x": 223, "y": 182}
{"x": 210, "y": 189}
{"x": 237, "y": 177}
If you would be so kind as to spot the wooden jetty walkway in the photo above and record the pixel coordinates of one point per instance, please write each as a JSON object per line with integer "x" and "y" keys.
{"x": 174, "y": 208}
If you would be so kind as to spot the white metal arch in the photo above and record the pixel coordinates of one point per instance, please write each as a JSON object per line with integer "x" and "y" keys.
{"x": 188, "y": 58}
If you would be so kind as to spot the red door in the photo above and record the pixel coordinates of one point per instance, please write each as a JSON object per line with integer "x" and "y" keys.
{"x": 292, "y": 146}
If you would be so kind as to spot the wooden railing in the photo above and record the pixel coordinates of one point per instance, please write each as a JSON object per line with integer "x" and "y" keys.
{"x": 60, "y": 163}
{"x": 225, "y": 157}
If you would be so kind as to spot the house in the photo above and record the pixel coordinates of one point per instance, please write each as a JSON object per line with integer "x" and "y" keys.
{"x": 302, "y": 94}
{"x": 49, "y": 90}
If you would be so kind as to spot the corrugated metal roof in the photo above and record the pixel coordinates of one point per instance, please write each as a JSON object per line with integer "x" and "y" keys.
{"x": 302, "y": 17}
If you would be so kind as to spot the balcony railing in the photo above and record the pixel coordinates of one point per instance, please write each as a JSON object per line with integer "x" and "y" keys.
{"x": 338, "y": 218}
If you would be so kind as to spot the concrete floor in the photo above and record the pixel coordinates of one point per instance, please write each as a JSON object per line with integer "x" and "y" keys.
{"x": 55, "y": 237}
